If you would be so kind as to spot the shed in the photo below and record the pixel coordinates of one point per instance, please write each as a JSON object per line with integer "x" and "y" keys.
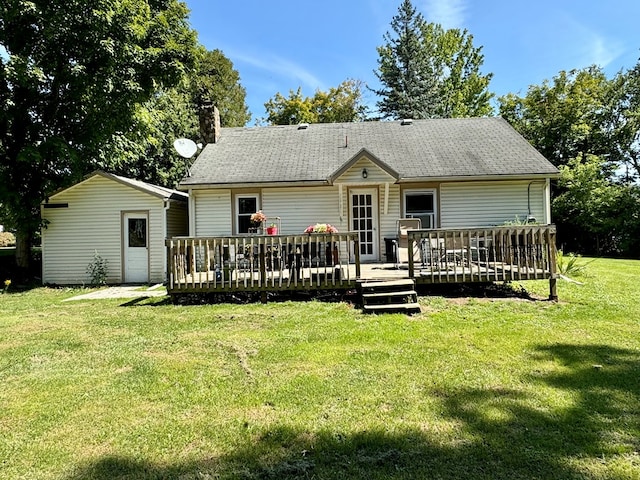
{"x": 125, "y": 221}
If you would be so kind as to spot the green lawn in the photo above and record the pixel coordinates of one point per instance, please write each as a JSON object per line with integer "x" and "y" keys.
{"x": 470, "y": 389}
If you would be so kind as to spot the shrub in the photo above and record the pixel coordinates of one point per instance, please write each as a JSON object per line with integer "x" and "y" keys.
{"x": 569, "y": 265}
{"x": 98, "y": 270}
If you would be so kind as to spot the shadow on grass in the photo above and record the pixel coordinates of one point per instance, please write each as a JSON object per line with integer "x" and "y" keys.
{"x": 500, "y": 434}
{"x": 244, "y": 298}
{"x": 147, "y": 302}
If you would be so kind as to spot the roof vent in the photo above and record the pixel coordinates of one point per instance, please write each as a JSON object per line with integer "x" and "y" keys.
{"x": 303, "y": 126}
{"x": 407, "y": 121}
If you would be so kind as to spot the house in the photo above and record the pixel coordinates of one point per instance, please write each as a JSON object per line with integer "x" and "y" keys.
{"x": 125, "y": 221}
{"x": 363, "y": 177}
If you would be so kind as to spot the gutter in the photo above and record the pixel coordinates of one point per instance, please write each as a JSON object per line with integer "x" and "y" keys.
{"x": 476, "y": 178}
{"x": 329, "y": 182}
{"x": 284, "y": 183}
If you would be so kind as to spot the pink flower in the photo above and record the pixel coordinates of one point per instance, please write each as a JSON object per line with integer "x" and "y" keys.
{"x": 258, "y": 217}
{"x": 321, "y": 228}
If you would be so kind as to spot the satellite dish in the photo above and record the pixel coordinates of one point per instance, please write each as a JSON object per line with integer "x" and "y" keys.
{"x": 186, "y": 148}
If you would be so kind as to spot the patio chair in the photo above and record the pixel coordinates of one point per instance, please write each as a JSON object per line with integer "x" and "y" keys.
{"x": 402, "y": 242}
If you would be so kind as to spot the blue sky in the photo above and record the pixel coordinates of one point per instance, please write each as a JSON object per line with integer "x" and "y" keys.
{"x": 280, "y": 45}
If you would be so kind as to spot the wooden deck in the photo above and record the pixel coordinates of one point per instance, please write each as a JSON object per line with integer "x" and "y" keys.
{"x": 263, "y": 263}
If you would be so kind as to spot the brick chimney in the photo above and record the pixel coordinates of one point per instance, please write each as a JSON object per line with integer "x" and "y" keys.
{"x": 209, "y": 123}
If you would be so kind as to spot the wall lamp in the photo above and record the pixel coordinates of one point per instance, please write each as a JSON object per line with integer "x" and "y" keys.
{"x": 365, "y": 174}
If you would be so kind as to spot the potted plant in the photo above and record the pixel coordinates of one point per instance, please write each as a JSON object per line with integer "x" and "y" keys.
{"x": 321, "y": 228}
{"x": 257, "y": 220}
{"x": 331, "y": 251}
{"x": 272, "y": 229}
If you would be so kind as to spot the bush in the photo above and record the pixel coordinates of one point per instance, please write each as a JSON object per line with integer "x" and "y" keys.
{"x": 570, "y": 264}
{"x": 98, "y": 270}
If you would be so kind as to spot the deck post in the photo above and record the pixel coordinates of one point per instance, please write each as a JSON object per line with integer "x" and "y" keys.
{"x": 553, "y": 291}
{"x": 553, "y": 275}
{"x": 356, "y": 248}
{"x": 263, "y": 268}
{"x": 411, "y": 242}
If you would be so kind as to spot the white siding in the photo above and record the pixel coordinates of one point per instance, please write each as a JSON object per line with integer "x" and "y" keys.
{"x": 299, "y": 207}
{"x": 472, "y": 204}
{"x": 375, "y": 175}
{"x": 93, "y": 222}
{"x": 212, "y": 210}
{"x": 177, "y": 220}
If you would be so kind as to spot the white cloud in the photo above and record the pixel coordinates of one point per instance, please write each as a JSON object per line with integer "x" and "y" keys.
{"x": 280, "y": 67}
{"x": 591, "y": 46}
{"x": 448, "y": 13}
{"x": 601, "y": 51}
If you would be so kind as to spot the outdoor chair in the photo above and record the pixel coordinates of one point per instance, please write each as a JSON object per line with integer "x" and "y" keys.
{"x": 402, "y": 241}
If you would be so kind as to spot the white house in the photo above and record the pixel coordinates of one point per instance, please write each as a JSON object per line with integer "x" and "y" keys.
{"x": 363, "y": 177}
{"x": 125, "y": 221}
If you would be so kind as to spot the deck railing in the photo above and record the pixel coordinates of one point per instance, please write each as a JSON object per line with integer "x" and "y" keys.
{"x": 458, "y": 255}
{"x": 262, "y": 262}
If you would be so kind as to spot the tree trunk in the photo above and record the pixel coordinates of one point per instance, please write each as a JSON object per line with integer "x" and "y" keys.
{"x": 23, "y": 251}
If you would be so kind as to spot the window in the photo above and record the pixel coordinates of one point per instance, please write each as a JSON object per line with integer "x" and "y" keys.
{"x": 137, "y": 232}
{"x": 421, "y": 204}
{"x": 246, "y": 205}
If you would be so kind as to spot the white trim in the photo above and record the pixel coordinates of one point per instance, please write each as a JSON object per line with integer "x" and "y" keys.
{"x": 375, "y": 219}
{"x": 547, "y": 201}
{"x": 126, "y": 260}
{"x": 386, "y": 198}
{"x": 432, "y": 191}
{"x": 192, "y": 213}
{"x": 236, "y": 199}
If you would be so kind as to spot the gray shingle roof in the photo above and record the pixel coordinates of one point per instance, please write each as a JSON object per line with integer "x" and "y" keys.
{"x": 155, "y": 190}
{"x": 427, "y": 149}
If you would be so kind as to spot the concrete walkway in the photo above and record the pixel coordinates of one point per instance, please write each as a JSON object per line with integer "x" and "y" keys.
{"x": 123, "y": 291}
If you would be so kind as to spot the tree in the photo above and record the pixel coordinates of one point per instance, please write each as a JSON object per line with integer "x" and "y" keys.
{"x": 290, "y": 111}
{"x": 566, "y": 117}
{"x": 593, "y": 214}
{"x": 219, "y": 83}
{"x": 623, "y": 123}
{"x": 585, "y": 124}
{"x": 76, "y": 73}
{"x": 340, "y": 104}
{"x": 429, "y": 72}
{"x": 145, "y": 151}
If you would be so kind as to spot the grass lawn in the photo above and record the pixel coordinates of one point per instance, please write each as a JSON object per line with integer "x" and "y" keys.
{"x": 470, "y": 389}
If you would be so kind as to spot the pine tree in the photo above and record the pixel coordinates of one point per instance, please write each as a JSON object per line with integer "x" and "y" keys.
{"x": 429, "y": 72}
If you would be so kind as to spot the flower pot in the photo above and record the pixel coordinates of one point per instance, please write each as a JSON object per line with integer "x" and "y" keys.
{"x": 272, "y": 230}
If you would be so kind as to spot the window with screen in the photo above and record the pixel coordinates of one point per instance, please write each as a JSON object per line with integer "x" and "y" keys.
{"x": 421, "y": 204}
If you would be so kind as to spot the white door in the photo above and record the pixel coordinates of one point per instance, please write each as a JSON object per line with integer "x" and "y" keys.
{"x": 136, "y": 247}
{"x": 363, "y": 207}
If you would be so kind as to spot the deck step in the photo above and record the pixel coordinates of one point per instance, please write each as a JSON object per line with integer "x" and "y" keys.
{"x": 389, "y": 296}
{"x": 393, "y": 307}
{"x": 401, "y": 293}
{"x": 388, "y": 285}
